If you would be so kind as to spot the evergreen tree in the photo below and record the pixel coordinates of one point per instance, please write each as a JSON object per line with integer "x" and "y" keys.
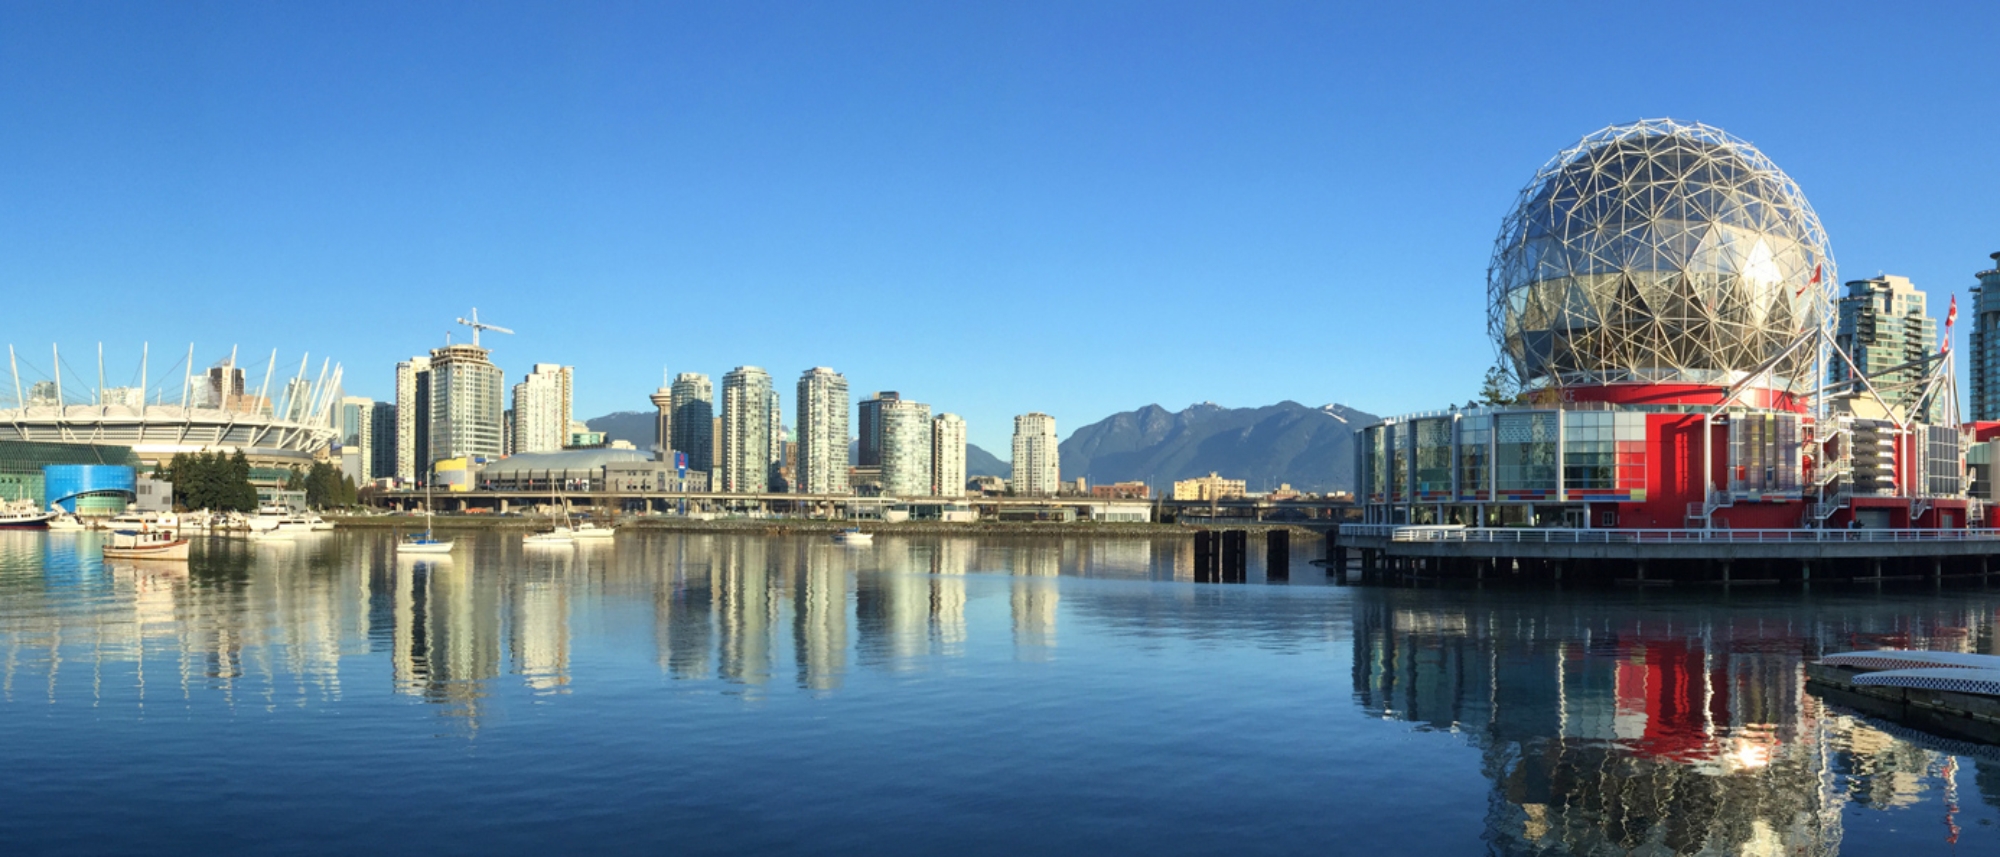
{"x": 1498, "y": 388}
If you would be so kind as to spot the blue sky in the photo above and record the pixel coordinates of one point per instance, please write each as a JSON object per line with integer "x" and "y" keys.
{"x": 1073, "y": 207}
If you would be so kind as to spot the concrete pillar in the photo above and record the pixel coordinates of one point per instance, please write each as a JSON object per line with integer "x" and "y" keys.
{"x": 1725, "y": 572}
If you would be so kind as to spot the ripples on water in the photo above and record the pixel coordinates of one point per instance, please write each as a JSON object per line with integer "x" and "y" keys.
{"x": 722, "y": 694}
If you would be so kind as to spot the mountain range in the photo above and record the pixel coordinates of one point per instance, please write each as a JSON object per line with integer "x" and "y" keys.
{"x": 1310, "y": 448}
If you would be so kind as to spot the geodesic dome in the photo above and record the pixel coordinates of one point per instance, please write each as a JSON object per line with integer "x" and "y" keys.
{"x": 1658, "y": 252}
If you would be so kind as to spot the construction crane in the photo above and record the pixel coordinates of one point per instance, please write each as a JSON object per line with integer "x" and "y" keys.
{"x": 478, "y": 326}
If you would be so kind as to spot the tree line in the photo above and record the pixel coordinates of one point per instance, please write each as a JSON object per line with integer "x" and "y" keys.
{"x": 325, "y": 486}
{"x": 211, "y": 480}
{"x": 221, "y": 483}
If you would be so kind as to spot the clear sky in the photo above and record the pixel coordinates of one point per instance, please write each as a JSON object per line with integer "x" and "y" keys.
{"x": 1071, "y": 207}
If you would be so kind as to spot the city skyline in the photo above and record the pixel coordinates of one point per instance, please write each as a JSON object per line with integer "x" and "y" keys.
{"x": 1250, "y": 180}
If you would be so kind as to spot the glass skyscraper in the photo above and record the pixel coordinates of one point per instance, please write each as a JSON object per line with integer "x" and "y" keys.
{"x": 693, "y": 421}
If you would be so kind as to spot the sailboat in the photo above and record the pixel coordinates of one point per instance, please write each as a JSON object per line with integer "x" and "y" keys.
{"x": 427, "y": 543}
{"x": 561, "y": 536}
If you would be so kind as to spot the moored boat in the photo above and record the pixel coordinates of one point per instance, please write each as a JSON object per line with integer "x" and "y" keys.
{"x": 853, "y": 536}
{"x": 1906, "y": 659}
{"x": 1973, "y": 680}
{"x": 24, "y": 515}
{"x": 146, "y": 544}
{"x": 552, "y": 538}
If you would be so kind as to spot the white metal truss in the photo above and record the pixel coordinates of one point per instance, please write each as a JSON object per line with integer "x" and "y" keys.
{"x": 1659, "y": 252}
{"x": 304, "y": 423}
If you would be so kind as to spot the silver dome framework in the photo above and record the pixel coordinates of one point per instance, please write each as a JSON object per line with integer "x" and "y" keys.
{"x": 1660, "y": 252}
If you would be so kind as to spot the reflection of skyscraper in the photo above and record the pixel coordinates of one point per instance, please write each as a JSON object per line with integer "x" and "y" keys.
{"x": 743, "y": 611}
{"x": 950, "y": 559}
{"x": 447, "y": 642}
{"x": 684, "y": 609}
{"x": 819, "y": 616}
{"x": 1034, "y": 597}
{"x": 538, "y": 636}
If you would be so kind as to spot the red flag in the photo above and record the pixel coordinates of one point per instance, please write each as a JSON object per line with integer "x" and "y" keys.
{"x": 1809, "y": 283}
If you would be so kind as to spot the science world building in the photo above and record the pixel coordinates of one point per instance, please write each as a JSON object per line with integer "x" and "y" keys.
{"x": 1663, "y": 296}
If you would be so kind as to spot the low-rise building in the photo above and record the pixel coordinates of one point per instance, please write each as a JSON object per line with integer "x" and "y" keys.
{"x": 1210, "y": 487}
{"x": 1121, "y": 491}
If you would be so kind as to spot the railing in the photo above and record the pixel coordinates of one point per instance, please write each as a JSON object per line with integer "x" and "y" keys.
{"x": 1549, "y": 535}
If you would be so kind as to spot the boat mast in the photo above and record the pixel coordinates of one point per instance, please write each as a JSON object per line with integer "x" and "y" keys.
{"x": 14, "y": 365}
{"x": 57, "y": 351}
{"x": 187, "y": 378}
{"x": 145, "y": 353}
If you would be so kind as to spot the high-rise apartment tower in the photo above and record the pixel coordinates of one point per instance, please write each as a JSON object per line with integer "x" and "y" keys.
{"x": 822, "y": 430}
{"x": 948, "y": 456}
{"x": 906, "y": 448}
{"x": 746, "y": 430}
{"x": 694, "y": 420}
{"x": 1036, "y": 469}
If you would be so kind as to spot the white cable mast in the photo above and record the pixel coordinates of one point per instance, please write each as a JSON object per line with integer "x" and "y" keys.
{"x": 264, "y": 391}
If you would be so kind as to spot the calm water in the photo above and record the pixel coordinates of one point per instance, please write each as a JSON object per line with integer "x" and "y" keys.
{"x": 698, "y": 694}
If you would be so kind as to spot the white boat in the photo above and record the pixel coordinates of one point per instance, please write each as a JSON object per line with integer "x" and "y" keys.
{"x": 853, "y": 536}
{"x": 24, "y": 515}
{"x": 64, "y": 522}
{"x": 274, "y": 517}
{"x": 1908, "y": 659}
{"x": 317, "y": 524}
{"x": 424, "y": 543}
{"x": 1984, "y": 682}
{"x": 145, "y": 521}
{"x": 553, "y": 538}
{"x": 146, "y": 544}
{"x": 591, "y": 532}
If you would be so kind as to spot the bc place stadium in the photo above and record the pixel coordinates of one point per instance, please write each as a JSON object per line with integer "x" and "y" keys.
{"x": 57, "y": 413}
{"x": 1664, "y": 302}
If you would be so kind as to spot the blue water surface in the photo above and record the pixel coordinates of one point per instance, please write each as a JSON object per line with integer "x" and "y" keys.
{"x": 697, "y": 694}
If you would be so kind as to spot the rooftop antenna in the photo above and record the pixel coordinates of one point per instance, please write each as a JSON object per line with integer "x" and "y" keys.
{"x": 478, "y": 326}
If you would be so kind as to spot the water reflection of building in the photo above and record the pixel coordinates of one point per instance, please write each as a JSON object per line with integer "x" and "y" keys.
{"x": 1607, "y": 738}
{"x": 1606, "y": 733}
{"x": 744, "y": 611}
{"x": 819, "y": 616}
{"x": 684, "y": 606}
{"x": 892, "y": 605}
{"x": 538, "y": 635}
{"x": 1034, "y": 597}
{"x": 447, "y": 634}
{"x": 950, "y": 560}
